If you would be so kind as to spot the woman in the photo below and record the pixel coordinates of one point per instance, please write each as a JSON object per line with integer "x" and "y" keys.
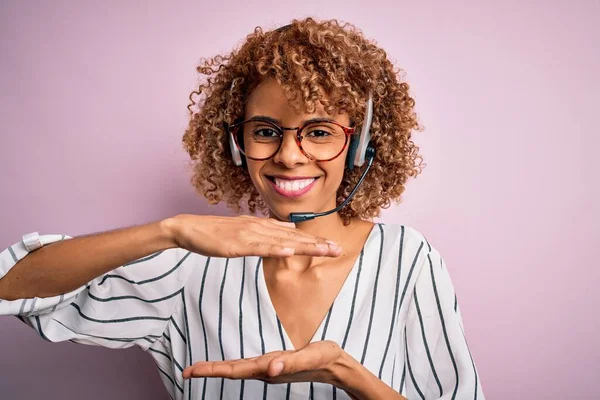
{"x": 246, "y": 307}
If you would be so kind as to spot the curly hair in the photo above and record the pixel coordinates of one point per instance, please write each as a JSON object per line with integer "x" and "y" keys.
{"x": 305, "y": 58}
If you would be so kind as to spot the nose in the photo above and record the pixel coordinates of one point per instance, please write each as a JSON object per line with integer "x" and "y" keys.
{"x": 289, "y": 154}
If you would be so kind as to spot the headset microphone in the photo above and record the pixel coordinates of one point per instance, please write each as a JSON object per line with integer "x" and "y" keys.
{"x": 305, "y": 216}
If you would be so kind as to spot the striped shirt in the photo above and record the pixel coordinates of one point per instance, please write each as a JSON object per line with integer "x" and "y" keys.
{"x": 397, "y": 313}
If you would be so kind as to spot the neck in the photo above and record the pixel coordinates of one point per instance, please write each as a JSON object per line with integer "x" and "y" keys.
{"x": 329, "y": 227}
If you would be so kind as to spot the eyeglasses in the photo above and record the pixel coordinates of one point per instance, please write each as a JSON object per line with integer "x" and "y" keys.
{"x": 259, "y": 138}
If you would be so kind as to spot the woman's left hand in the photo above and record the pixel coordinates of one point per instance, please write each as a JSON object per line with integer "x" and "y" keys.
{"x": 317, "y": 362}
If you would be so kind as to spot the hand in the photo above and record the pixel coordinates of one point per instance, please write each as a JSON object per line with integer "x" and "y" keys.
{"x": 316, "y": 362}
{"x": 230, "y": 237}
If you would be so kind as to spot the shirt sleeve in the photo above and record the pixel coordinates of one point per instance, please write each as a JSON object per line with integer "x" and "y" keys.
{"x": 437, "y": 361}
{"x": 130, "y": 305}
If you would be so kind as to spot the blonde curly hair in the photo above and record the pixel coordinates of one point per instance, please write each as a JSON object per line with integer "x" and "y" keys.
{"x": 306, "y": 57}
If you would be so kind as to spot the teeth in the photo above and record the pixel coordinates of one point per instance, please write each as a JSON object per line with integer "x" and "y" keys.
{"x": 293, "y": 186}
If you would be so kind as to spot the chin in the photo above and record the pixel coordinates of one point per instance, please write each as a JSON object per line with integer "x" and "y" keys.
{"x": 283, "y": 211}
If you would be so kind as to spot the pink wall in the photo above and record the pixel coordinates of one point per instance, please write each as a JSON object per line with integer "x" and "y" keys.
{"x": 93, "y": 104}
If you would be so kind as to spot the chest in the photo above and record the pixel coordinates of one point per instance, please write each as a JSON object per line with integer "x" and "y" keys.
{"x": 302, "y": 302}
{"x": 234, "y": 313}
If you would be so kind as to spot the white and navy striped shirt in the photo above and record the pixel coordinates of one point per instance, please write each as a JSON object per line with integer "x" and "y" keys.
{"x": 397, "y": 313}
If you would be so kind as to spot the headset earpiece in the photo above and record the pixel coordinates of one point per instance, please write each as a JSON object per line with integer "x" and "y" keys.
{"x": 352, "y": 148}
{"x": 237, "y": 157}
{"x": 357, "y": 150}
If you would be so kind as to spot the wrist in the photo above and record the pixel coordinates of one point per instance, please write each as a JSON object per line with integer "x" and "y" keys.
{"x": 348, "y": 373}
{"x": 360, "y": 383}
{"x": 168, "y": 228}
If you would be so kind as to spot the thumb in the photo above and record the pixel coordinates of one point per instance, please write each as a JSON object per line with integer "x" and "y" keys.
{"x": 283, "y": 223}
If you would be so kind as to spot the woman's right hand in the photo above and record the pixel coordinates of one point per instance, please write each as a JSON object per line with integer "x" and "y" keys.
{"x": 231, "y": 237}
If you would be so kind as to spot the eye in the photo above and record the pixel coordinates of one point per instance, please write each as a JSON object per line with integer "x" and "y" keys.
{"x": 318, "y": 133}
{"x": 267, "y": 133}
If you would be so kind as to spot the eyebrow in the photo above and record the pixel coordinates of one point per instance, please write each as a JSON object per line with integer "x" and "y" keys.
{"x": 278, "y": 122}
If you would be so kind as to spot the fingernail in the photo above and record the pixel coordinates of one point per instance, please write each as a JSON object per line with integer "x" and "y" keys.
{"x": 278, "y": 368}
{"x": 331, "y": 242}
{"x": 287, "y": 250}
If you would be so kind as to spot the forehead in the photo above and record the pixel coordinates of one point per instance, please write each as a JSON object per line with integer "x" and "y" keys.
{"x": 269, "y": 99}
{"x": 267, "y": 96}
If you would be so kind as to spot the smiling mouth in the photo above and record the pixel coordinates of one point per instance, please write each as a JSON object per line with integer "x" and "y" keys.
{"x": 292, "y": 187}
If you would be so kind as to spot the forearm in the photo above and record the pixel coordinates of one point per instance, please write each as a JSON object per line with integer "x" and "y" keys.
{"x": 64, "y": 266}
{"x": 360, "y": 384}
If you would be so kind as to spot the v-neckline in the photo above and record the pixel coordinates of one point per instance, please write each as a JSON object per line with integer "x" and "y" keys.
{"x": 265, "y": 297}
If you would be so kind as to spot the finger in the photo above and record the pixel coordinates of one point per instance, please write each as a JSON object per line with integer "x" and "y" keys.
{"x": 203, "y": 365}
{"x": 299, "y": 247}
{"x": 267, "y": 227}
{"x": 315, "y": 356}
{"x": 284, "y": 238}
{"x": 267, "y": 356}
{"x": 292, "y": 233}
{"x": 288, "y": 229}
{"x": 264, "y": 250}
{"x": 315, "y": 249}
{"x": 240, "y": 369}
{"x": 264, "y": 221}
{"x": 282, "y": 223}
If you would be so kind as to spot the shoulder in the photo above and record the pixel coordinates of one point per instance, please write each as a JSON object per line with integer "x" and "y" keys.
{"x": 405, "y": 235}
{"x": 408, "y": 245}
{"x": 396, "y": 244}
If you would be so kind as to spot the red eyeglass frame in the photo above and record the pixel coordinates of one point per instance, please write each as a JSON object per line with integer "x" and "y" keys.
{"x": 233, "y": 129}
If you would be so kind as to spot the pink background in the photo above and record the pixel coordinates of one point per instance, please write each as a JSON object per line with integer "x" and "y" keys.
{"x": 93, "y": 105}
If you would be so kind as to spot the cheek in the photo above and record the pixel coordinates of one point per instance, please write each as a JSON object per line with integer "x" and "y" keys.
{"x": 335, "y": 172}
{"x": 253, "y": 168}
